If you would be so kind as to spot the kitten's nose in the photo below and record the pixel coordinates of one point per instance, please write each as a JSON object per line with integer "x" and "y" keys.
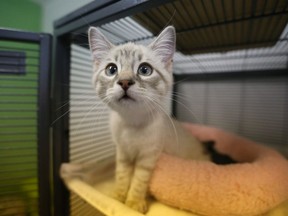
{"x": 125, "y": 84}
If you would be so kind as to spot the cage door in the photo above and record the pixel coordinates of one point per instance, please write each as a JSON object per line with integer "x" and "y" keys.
{"x": 24, "y": 123}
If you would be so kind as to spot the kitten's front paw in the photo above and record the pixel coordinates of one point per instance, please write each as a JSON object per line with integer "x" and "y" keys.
{"x": 138, "y": 205}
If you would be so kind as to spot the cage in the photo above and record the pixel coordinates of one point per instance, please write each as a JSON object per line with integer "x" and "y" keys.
{"x": 25, "y": 64}
{"x": 230, "y": 71}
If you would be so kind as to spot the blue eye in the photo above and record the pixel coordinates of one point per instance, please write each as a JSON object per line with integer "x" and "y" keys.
{"x": 145, "y": 69}
{"x": 111, "y": 70}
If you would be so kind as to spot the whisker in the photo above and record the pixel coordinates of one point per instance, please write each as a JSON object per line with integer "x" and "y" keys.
{"x": 68, "y": 101}
{"x": 171, "y": 18}
{"x": 170, "y": 119}
{"x": 148, "y": 105}
{"x": 60, "y": 117}
{"x": 66, "y": 112}
{"x": 93, "y": 107}
{"x": 182, "y": 80}
{"x": 182, "y": 104}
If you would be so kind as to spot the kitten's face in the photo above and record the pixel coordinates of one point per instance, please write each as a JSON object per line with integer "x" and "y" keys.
{"x": 132, "y": 76}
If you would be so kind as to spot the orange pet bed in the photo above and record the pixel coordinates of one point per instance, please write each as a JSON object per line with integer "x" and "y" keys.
{"x": 252, "y": 187}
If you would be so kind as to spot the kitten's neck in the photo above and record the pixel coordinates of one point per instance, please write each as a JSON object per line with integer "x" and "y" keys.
{"x": 137, "y": 119}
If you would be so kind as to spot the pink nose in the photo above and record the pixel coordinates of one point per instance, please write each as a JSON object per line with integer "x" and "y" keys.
{"x": 125, "y": 84}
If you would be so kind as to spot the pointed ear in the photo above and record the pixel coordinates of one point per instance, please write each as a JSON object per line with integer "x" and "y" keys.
{"x": 99, "y": 44}
{"x": 164, "y": 44}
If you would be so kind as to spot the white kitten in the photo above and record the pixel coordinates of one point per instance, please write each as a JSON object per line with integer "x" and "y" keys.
{"x": 135, "y": 81}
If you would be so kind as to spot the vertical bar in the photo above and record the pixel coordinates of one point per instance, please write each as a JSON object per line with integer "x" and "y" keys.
{"x": 60, "y": 94}
{"x": 174, "y": 95}
{"x": 44, "y": 172}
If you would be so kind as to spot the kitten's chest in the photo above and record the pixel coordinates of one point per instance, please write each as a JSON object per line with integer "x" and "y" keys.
{"x": 133, "y": 140}
{"x": 134, "y": 137}
{"x": 130, "y": 136}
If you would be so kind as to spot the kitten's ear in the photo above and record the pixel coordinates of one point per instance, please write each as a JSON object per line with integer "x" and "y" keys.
{"x": 164, "y": 44}
{"x": 99, "y": 44}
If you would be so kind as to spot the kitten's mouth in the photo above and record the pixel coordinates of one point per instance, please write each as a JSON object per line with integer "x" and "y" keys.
{"x": 126, "y": 97}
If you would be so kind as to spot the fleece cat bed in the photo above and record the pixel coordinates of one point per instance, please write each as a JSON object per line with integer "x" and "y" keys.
{"x": 254, "y": 186}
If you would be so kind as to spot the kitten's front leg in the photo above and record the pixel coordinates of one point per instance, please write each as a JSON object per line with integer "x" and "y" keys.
{"x": 136, "y": 197}
{"x": 124, "y": 171}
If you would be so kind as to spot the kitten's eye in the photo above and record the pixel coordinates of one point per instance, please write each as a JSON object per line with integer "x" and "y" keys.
{"x": 145, "y": 69}
{"x": 111, "y": 70}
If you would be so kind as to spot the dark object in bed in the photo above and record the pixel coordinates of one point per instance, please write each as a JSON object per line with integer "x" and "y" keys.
{"x": 217, "y": 158}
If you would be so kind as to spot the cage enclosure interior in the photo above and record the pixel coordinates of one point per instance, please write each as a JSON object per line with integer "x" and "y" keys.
{"x": 230, "y": 71}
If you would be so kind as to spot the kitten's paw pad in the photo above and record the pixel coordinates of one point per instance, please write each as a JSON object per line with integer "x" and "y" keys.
{"x": 138, "y": 205}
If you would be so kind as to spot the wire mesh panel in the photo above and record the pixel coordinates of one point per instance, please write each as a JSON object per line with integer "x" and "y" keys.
{"x": 265, "y": 111}
{"x": 90, "y": 138}
{"x": 254, "y": 108}
{"x": 20, "y": 131}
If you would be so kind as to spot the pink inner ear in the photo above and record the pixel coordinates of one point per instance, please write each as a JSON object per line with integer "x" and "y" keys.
{"x": 164, "y": 44}
{"x": 99, "y": 44}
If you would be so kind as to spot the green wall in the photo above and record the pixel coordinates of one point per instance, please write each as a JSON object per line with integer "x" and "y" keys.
{"x": 20, "y": 14}
{"x": 18, "y": 114}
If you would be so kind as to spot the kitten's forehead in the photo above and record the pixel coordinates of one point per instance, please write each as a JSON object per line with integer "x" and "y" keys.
{"x": 129, "y": 51}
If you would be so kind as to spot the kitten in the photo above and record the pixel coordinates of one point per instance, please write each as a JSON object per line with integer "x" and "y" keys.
{"x": 135, "y": 81}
